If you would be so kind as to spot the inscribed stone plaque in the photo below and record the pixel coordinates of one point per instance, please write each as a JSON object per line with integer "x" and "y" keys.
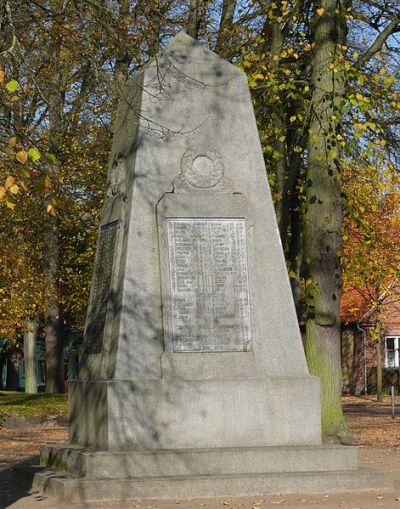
{"x": 101, "y": 287}
{"x": 210, "y": 302}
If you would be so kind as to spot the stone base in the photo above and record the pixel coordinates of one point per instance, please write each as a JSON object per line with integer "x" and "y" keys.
{"x": 195, "y": 414}
{"x": 82, "y": 475}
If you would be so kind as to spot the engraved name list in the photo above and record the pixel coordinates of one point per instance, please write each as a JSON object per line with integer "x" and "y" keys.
{"x": 210, "y": 303}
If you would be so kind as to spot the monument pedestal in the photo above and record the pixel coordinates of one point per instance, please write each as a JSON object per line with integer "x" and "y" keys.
{"x": 84, "y": 475}
{"x": 194, "y": 414}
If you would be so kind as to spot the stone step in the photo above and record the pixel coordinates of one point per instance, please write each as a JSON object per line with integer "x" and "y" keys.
{"x": 82, "y": 462}
{"x": 69, "y": 489}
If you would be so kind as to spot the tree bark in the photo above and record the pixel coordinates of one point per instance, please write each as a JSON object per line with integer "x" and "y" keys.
{"x": 30, "y": 335}
{"x": 53, "y": 318}
{"x": 379, "y": 388}
{"x": 13, "y": 362}
{"x": 196, "y": 15}
{"x": 224, "y": 35}
{"x": 123, "y": 61}
{"x": 323, "y": 214}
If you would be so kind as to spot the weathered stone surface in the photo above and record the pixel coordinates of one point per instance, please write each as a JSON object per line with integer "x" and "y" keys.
{"x": 193, "y": 376}
{"x": 70, "y": 489}
{"x": 191, "y": 306}
{"x": 159, "y": 463}
{"x": 210, "y": 300}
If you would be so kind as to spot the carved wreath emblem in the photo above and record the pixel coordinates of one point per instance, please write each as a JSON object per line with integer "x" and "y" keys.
{"x": 202, "y": 167}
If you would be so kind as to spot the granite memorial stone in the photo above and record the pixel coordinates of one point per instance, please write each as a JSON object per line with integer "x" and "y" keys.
{"x": 192, "y": 378}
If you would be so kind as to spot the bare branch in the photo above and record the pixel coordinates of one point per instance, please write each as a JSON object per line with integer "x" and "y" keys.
{"x": 376, "y": 46}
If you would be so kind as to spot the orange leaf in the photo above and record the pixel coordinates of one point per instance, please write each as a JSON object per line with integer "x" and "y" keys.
{"x": 9, "y": 181}
{"x": 2, "y": 192}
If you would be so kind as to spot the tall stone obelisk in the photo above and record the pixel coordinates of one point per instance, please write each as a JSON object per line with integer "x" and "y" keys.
{"x": 192, "y": 380}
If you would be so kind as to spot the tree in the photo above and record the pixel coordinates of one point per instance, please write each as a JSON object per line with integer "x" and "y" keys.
{"x": 371, "y": 258}
{"x": 314, "y": 103}
{"x": 323, "y": 78}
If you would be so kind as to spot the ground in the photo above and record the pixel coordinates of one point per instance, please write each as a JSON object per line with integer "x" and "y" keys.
{"x": 376, "y": 434}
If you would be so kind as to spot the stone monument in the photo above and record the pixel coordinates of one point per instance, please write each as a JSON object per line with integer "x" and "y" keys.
{"x": 192, "y": 379}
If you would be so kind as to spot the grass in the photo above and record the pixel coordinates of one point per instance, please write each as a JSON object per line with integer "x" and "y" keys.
{"x": 33, "y": 404}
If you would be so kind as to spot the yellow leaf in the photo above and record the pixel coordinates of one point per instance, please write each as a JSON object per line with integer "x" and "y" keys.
{"x": 282, "y": 138}
{"x": 9, "y": 181}
{"x": 258, "y": 77}
{"x": 292, "y": 118}
{"x": 320, "y": 11}
{"x": 10, "y": 204}
{"x": 246, "y": 64}
{"x": 14, "y": 189}
{"x": 22, "y": 156}
{"x": 50, "y": 210}
{"x": 2, "y": 192}
{"x": 12, "y": 142}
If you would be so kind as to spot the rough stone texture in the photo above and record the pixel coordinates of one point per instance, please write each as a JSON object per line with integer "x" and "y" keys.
{"x": 70, "y": 489}
{"x": 193, "y": 152}
{"x": 87, "y": 463}
{"x": 176, "y": 413}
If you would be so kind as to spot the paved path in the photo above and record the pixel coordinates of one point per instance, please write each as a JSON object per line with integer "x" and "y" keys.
{"x": 19, "y": 497}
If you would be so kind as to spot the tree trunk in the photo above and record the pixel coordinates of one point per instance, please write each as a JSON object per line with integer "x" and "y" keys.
{"x": 379, "y": 390}
{"x": 13, "y": 362}
{"x": 323, "y": 215}
{"x": 295, "y": 254}
{"x": 123, "y": 60}
{"x": 30, "y": 335}
{"x": 274, "y": 44}
{"x": 225, "y": 28}
{"x": 3, "y": 359}
{"x": 196, "y": 15}
{"x": 53, "y": 319}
